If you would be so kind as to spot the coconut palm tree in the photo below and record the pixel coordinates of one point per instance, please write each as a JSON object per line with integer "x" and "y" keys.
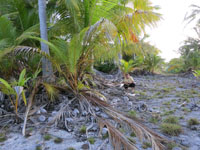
{"x": 20, "y": 19}
{"x": 46, "y": 64}
{"x": 193, "y": 15}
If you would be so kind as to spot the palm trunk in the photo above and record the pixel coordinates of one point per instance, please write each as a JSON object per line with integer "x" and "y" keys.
{"x": 119, "y": 73}
{"x": 47, "y": 69}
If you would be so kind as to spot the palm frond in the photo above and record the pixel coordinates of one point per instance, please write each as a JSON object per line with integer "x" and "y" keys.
{"x": 194, "y": 14}
{"x": 7, "y": 33}
{"x": 139, "y": 129}
{"x": 118, "y": 139}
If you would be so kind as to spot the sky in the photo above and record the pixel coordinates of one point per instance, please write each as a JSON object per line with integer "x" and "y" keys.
{"x": 171, "y": 31}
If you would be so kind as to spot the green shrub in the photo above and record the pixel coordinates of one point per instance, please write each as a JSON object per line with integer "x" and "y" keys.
{"x": 166, "y": 113}
{"x": 91, "y": 140}
{"x": 131, "y": 140}
{"x": 146, "y": 145}
{"x": 47, "y": 137}
{"x": 106, "y": 67}
{"x": 154, "y": 120}
{"x": 2, "y": 137}
{"x": 171, "y": 129}
{"x": 58, "y": 140}
{"x": 83, "y": 129}
{"x": 171, "y": 145}
{"x": 193, "y": 121}
{"x": 171, "y": 119}
{"x": 38, "y": 147}
{"x": 133, "y": 134}
{"x": 132, "y": 114}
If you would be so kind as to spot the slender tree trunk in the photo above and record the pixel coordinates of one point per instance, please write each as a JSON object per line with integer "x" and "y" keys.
{"x": 119, "y": 73}
{"x": 47, "y": 69}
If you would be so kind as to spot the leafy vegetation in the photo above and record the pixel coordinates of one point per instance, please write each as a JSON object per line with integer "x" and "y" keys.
{"x": 47, "y": 137}
{"x": 171, "y": 119}
{"x": 132, "y": 114}
{"x": 190, "y": 50}
{"x": 71, "y": 148}
{"x": 197, "y": 73}
{"x": 171, "y": 129}
{"x": 2, "y": 137}
{"x": 15, "y": 88}
{"x": 58, "y": 140}
{"x": 83, "y": 129}
{"x": 146, "y": 145}
{"x": 91, "y": 140}
{"x": 193, "y": 121}
{"x": 82, "y": 35}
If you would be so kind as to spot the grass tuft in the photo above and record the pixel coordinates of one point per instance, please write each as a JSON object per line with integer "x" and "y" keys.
{"x": 154, "y": 120}
{"x": 47, "y": 137}
{"x": 171, "y": 145}
{"x": 132, "y": 114}
{"x": 133, "y": 134}
{"x": 171, "y": 129}
{"x": 131, "y": 140}
{"x": 83, "y": 129}
{"x": 2, "y": 137}
{"x": 193, "y": 121}
{"x": 146, "y": 145}
{"x": 38, "y": 147}
{"x": 91, "y": 140}
{"x": 58, "y": 140}
{"x": 171, "y": 119}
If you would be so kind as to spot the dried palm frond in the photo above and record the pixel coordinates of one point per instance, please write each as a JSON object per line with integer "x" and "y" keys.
{"x": 117, "y": 138}
{"x": 141, "y": 131}
{"x": 25, "y": 50}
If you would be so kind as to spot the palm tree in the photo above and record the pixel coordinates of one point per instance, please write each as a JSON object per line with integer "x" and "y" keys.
{"x": 75, "y": 15}
{"x": 195, "y": 14}
{"x": 20, "y": 19}
{"x": 47, "y": 69}
{"x": 85, "y": 34}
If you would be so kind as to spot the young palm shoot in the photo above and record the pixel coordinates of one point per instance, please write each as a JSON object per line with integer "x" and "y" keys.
{"x": 15, "y": 88}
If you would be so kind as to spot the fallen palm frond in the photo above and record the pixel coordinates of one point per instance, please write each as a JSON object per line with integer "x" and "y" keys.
{"x": 60, "y": 113}
{"x": 141, "y": 131}
{"x": 118, "y": 139}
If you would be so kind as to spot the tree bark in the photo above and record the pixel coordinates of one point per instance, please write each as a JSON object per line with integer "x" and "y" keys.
{"x": 47, "y": 69}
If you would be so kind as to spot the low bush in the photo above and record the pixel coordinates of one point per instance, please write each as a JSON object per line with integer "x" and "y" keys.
{"x": 193, "y": 121}
{"x": 171, "y": 129}
{"x": 171, "y": 119}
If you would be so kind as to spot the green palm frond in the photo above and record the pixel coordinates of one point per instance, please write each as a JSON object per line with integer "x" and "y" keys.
{"x": 5, "y": 87}
{"x": 152, "y": 62}
{"x": 22, "y": 80}
{"x": 194, "y": 14}
{"x": 7, "y": 33}
{"x": 197, "y": 73}
{"x": 22, "y": 13}
{"x": 127, "y": 67}
{"x": 75, "y": 56}
{"x": 15, "y": 88}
